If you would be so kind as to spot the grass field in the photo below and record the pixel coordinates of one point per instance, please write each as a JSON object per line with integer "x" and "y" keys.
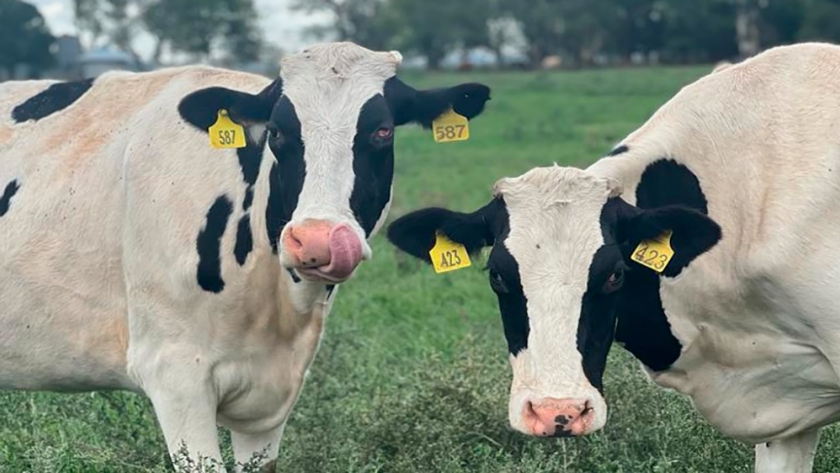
{"x": 412, "y": 375}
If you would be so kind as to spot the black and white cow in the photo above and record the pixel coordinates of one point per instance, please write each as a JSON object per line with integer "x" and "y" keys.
{"x": 135, "y": 256}
{"x": 743, "y": 168}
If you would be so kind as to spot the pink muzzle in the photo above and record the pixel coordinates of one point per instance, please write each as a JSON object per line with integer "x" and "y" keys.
{"x": 323, "y": 250}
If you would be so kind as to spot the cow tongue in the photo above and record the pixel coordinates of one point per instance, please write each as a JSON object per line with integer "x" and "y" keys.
{"x": 345, "y": 253}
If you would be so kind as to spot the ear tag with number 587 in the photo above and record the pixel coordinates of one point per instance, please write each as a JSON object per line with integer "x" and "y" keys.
{"x": 451, "y": 127}
{"x": 655, "y": 253}
{"x": 447, "y": 255}
{"x": 225, "y": 133}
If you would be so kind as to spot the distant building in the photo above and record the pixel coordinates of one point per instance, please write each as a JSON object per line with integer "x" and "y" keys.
{"x": 72, "y": 62}
{"x": 97, "y": 61}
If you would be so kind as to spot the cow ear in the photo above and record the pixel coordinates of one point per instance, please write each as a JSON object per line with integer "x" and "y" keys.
{"x": 201, "y": 107}
{"x": 415, "y": 233}
{"x": 692, "y": 233}
{"x": 424, "y": 106}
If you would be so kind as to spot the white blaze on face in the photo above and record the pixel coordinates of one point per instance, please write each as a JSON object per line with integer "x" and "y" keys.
{"x": 328, "y": 85}
{"x": 554, "y": 215}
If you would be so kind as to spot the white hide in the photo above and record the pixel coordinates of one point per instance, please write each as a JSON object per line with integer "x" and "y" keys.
{"x": 554, "y": 233}
{"x": 757, "y": 315}
{"x": 98, "y": 265}
{"x": 328, "y": 85}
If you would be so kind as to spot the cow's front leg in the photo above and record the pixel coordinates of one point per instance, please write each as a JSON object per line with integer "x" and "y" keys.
{"x": 249, "y": 446}
{"x": 186, "y": 412}
{"x": 789, "y": 455}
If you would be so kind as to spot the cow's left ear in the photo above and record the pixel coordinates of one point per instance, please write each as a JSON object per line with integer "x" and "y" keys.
{"x": 692, "y": 233}
{"x": 201, "y": 107}
{"x": 424, "y": 106}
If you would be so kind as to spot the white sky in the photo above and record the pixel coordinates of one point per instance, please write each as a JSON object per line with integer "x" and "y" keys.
{"x": 280, "y": 25}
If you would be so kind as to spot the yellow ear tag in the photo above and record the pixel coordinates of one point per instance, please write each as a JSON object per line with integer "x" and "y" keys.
{"x": 225, "y": 134}
{"x": 656, "y": 253}
{"x": 447, "y": 255}
{"x": 451, "y": 127}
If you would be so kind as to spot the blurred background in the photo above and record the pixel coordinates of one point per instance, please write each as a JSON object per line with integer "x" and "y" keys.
{"x": 82, "y": 38}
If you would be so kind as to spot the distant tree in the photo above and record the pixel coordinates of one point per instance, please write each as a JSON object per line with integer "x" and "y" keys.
{"x": 25, "y": 37}
{"x": 114, "y": 21}
{"x": 186, "y": 26}
{"x": 782, "y": 20}
{"x": 360, "y": 21}
{"x": 820, "y": 21}
{"x": 541, "y": 23}
{"x": 699, "y": 31}
{"x": 636, "y": 26}
{"x": 434, "y": 29}
{"x": 200, "y": 28}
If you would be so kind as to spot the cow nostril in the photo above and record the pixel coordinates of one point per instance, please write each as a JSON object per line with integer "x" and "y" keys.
{"x": 529, "y": 410}
{"x": 293, "y": 241}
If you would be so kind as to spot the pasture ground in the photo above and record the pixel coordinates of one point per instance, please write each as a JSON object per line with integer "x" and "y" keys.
{"x": 412, "y": 375}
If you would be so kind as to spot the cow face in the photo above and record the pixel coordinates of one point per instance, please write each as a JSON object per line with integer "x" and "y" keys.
{"x": 328, "y": 124}
{"x": 560, "y": 243}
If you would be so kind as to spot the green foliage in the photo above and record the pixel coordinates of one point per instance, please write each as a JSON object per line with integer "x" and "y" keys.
{"x": 24, "y": 37}
{"x": 196, "y": 27}
{"x": 185, "y": 26}
{"x": 820, "y": 22}
{"x": 412, "y": 375}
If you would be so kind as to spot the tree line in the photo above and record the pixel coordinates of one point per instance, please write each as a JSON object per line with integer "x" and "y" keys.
{"x": 227, "y": 30}
{"x": 579, "y": 33}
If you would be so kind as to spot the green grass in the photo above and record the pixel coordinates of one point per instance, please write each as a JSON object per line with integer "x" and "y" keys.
{"x": 412, "y": 375}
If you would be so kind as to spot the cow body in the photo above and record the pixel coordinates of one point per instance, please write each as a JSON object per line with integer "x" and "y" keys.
{"x": 755, "y": 316}
{"x": 135, "y": 256}
{"x": 99, "y": 263}
{"x": 742, "y": 167}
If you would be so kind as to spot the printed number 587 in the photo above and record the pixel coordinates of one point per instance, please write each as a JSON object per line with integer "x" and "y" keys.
{"x": 227, "y": 137}
{"x": 450, "y": 131}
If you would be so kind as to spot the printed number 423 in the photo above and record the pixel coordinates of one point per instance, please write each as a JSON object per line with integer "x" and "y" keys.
{"x": 450, "y": 132}
{"x": 651, "y": 258}
{"x": 450, "y": 258}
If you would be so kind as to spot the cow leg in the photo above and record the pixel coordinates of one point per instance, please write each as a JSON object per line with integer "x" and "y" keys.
{"x": 267, "y": 444}
{"x": 789, "y": 455}
{"x": 187, "y": 416}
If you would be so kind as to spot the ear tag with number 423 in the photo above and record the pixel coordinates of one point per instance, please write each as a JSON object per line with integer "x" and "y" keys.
{"x": 447, "y": 255}
{"x": 225, "y": 133}
{"x": 655, "y": 253}
{"x": 451, "y": 127}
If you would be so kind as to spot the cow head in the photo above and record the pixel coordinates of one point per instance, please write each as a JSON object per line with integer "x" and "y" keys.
{"x": 328, "y": 123}
{"x": 561, "y": 242}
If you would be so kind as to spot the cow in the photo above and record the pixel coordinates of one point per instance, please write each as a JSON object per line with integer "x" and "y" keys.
{"x": 136, "y": 256}
{"x": 706, "y": 243}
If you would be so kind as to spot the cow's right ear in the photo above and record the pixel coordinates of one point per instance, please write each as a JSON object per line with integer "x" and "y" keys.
{"x": 415, "y": 233}
{"x": 200, "y": 108}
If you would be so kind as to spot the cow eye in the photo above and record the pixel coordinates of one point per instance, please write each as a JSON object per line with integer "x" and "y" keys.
{"x": 274, "y": 134}
{"x": 614, "y": 281}
{"x": 383, "y": 135}
{"x": 497, "y": 283}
